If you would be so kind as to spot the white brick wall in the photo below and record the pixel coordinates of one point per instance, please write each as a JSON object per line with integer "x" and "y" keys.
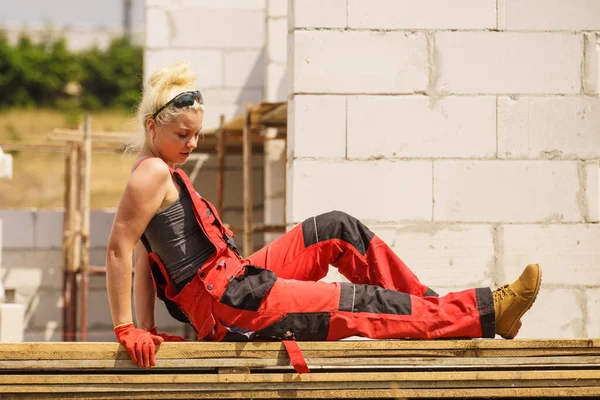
{"x": 490, "y": 108}
{"x": 498, "y": 191}
{"x": 592, "y": 191}
{"x": 317, "y": 119}
{"x": 593, "y": 310}
{"x": 568, "y": 253}
{"x": 508, "y": 62}
{"x": 591, "y": 66}
{"x": 459, "y": 256}
{"x": 549, "y": 127}
{"x": 424, "y": 14}
{"x": 572, "y": 15}
{"x": 556, "y": 314}
{"x": 195, "y": 27}
{"x": 244, "y": 68}
{"x": 317, "y": 14}
{"x": 417, "y": 126}
{"x": 402, "y": 189}
{"x": 208, "y": 64}
{"x": 388, "y": 62}
{"x": 277, "y": 39}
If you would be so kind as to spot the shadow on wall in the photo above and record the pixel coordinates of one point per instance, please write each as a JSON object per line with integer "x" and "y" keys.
{"x": 250, "y": 86}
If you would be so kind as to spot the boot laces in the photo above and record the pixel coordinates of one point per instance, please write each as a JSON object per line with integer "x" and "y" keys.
{"x": 501, "y": 293}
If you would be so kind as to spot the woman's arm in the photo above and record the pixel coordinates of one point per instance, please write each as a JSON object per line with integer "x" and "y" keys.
{"x": 142, "y": 198}
{"x": 143, "y": 289}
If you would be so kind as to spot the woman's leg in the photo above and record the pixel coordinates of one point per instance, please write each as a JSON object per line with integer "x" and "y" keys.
{"x": 336, "y": 238}
{"x": 259, "y": 305}
{"x": 303, "y": 310}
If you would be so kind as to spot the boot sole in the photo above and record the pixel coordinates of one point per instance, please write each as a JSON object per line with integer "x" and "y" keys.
{"x": 514, "y": 329}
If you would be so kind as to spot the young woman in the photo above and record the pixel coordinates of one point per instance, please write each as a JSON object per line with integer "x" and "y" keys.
{"x": 184, "y": 254}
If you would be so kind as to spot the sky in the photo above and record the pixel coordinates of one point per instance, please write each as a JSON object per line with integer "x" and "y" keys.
{"x": 90, "y": 13}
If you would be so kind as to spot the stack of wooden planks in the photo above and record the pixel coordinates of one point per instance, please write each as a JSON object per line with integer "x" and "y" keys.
{"x": 346, "y": 369}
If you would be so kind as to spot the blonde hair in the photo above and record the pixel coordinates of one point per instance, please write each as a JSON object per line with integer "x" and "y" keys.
{"x": 162, "y": 86}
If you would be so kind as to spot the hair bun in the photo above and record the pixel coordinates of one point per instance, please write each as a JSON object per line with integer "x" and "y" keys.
{"x": 180, "y": 74}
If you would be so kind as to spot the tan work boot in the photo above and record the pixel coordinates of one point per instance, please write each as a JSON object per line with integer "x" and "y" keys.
{"x": 512, "y": 301}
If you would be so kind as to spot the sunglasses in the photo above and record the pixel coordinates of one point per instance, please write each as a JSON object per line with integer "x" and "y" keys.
{"x": 184, "y": 99}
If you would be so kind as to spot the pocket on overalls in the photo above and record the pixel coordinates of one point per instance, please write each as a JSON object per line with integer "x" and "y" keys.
{"x": 247, "y": 291}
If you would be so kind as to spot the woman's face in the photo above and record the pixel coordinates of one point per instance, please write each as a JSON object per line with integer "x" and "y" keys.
{"x": 174, "y": 141}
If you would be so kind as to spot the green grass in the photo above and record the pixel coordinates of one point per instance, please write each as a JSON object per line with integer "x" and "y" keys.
{"x": 38, "y": 177}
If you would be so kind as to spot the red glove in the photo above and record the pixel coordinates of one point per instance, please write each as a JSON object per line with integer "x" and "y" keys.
{"x": 140, "y": 344}
{"x": 166, "y": 336}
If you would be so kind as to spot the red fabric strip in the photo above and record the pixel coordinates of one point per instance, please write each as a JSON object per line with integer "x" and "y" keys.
{"x": 296, "y": 356}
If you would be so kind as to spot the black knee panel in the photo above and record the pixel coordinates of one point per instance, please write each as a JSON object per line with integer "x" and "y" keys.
{"x": 337, "y": 225}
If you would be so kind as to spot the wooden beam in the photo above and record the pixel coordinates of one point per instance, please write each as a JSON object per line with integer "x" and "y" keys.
{"x": 247, "y": 174}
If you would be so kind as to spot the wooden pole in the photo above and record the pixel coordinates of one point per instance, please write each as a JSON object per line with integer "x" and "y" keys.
{"x": 66, "y": 244}
{"x": 85, "y": 174}
{"x": 221, "y": 165}
{"x": 247, "y": 174}
{"x": 70, "y": 272}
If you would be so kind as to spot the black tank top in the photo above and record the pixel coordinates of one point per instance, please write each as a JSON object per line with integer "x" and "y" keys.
{"x": 178, "y": 240}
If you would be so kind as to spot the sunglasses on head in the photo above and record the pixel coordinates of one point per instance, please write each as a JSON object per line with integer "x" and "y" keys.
{"x": 183, "y": 99}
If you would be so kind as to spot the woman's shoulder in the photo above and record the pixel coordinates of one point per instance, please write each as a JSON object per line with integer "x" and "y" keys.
{"x": 150, "y": 171}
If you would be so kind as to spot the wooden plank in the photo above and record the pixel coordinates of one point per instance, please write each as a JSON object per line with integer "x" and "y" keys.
{"x": 313, "y": 363}
{"x": 286, "y": 378}
{"x": 476, "y": 348}
{"x": 327, "y": 394}
{"x": 306, "y": 346}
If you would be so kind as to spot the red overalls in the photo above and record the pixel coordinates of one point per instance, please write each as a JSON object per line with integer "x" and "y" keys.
{"x": 274, "y": 293}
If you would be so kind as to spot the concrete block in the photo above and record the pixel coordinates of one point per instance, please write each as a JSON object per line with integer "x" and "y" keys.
{"x": 317, "y": 14}
{"x": 245, "y": 68}
{"x": 195, "y": 28}
{"x": 556, "y": 314}
{"x": 17, "y": 228}
{"x": 6, "y": 165}
{"x": 358, "y": 62}
{"x": 567, "y": 253}
{"x": 418, "y": 126}
{"x": 237, "y": 96}
{"x": 546, "y": 15}
{"x": 97, "y": 256}
{"x": 207, "y": 64}
{"x": 100, "y": 225}
{"x": 274, "y": 167}
{"x": 592, "y": 191}
{"x": 212, "y": 114}
{"x": 98, "y": 310}
{"x": 206, "y": 183}
{"x": 591, "y": 70}
{"x": 320, "y": 186}
{"x": 44, "y": 309}
{"x": 211, "y": 4}
{"x": 508, "y": 62}
{"x": 276, "y": 82}
{"x": 592, "y": 312}
{"x": 161, "y": 32}
{"x": 460, "y": 256}
{"x": 500, "y": 191}
{"x": 48, "y": 229}
{"x": 277, "y": 40}
{"x": 563, "y": 127}
{"x": 317, "y": 126}
{"x": 12, "y": 323}
{"x": 26, "y": 280}
{"x": 277, "y": 8}
{"x": 426, "y": 14}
